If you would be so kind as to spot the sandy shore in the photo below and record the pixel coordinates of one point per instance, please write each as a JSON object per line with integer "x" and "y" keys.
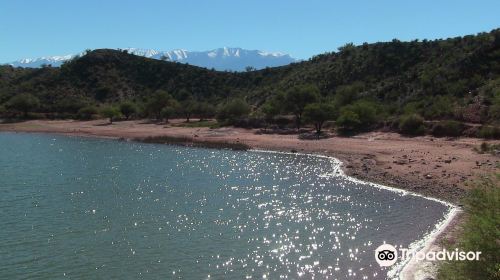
{"x": 434, "y": 167}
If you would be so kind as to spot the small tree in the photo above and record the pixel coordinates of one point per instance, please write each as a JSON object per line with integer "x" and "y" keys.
{"x": 348, "y": 120}
{"x": 205, "y": 110}
{"x": 157, "y": 102}
{"x": 168, "y": 112}
{"x": 233, "y": 110}
{"x": 70, "y": 105}
{"x": 87, "y": 112}
{"x": 110, "y": 112}
{"x": 270, "y": 110}
{"x": 297, "y": 98}
{"x": 412, "y": 125}
{"x": 318, "y": 114}
{"x": 188, "y": 108}
{"x": 23, "y": 103}
{"x": 128, "y": 108}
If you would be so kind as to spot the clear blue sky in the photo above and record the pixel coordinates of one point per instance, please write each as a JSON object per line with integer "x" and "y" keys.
{"x": 302, "y": 28}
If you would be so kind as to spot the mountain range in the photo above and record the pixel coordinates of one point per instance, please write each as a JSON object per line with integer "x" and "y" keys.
{"x": 232, "y": 59}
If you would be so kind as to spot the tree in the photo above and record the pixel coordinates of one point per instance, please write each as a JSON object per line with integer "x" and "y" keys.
{"x": 188, "y": 108}
{"x": 318, "y": 114}
{"x": 110, "y": 112}
{"x": 128, "y": 108}
{"x": 270, "y": 109}
{"x": 157, "y": 102}
{"x": 233, "y": 110}
{"x": 348, "y": 120}
{"x": 412, "y": 124}
{"x": 70, "y": 105}
{"x": 347, "y": 94}
{"x": 205, "y": 110}
{"x": 24, "y": 103}
{"x": 297, "y": 98}
{"x": 366, "y": 112}
{"x": 167, "y": 112}
{"x": 87, "y": 112}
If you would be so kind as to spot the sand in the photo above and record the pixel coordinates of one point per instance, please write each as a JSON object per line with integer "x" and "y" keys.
{"x": 436, "y": 167}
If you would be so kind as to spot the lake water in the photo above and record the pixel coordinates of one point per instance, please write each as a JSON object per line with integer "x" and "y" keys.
{"x": 84, "y": 208}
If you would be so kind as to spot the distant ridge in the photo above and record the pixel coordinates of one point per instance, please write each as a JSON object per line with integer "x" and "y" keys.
{"x": 233, "y": 59}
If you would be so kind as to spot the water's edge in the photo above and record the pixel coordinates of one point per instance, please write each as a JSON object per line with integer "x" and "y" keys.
{"x": 401, "y": 268}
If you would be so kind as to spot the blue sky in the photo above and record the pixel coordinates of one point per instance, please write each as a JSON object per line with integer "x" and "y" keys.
{"x": 32, "y": 28}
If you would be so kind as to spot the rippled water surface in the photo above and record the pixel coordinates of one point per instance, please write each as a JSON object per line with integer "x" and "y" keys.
{"x": 83, "y": 208}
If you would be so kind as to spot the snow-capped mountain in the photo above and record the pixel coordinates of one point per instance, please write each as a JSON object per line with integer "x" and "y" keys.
{"x": 235, "y": 59}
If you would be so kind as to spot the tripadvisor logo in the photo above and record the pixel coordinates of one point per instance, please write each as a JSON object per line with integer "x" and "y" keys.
{"x": 387, "y": 255}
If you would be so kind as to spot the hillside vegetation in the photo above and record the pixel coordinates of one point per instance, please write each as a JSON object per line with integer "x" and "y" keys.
{"x": 445, "y": 87}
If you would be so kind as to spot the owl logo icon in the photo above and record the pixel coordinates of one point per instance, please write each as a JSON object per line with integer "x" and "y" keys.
{"x": 386, "y": 255}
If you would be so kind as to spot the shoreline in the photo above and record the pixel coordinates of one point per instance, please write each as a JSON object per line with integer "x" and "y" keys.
{"x": 352, "y": 164}
{"x": 410, "y": 269}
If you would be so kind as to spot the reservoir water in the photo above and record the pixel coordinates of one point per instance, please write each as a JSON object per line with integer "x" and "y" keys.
{"x": 84, "y": 208}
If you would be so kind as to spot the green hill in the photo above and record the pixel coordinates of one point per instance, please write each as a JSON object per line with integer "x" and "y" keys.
{"x": 456, "y": 78}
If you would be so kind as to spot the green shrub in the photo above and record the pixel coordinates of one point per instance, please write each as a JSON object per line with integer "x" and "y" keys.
{"x": 360, "y": 116}
{"x": 489, "y": 132}
{"x": 318, "y": 114}
{"x": 481, "y": 233}
{"x": 233, "y": 111}
{"x": 411, "y": 125}
{"x": 348, "y": 120}
{"x": 167, "y": 113}
{"x": 24, "y": 103}
{"x": 128, "y": 109}
{"x": 87, "y": 112}
{"x": 488, "y": 148}
{"x": 205, "y": 110}
{"x": 110, "y": 112}
{"x": 70, "y": 105}
{"x": 447, "y": 128}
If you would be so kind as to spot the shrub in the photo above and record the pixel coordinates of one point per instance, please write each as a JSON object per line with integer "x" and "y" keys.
{"x": 187, "y": 108}
{"x": 318, "y": 114}
{"x": 110, "y": 112}
{"x": 480, "y": 233}
{"x": 249, "y": 122}
{"x": 447, "y": 128}
{"x": 87, "y": 112}
{"x": 205, "y": 110}
{"x": 297, "y": 98}
{"x": 489, "y": 132}
{"x": 412, "y": 125}
{"x": 233, "y": 110}
{"x": 348, "y": 120}
{"x": 360, "y": 116}
{"x": 157, "y": 102}
{"x": 24, "y": 103}
{"x": 167, "y": 113}
{"x": 269, "y": 111}
{"x": 488, "y": 148}
{"x": 70, "y": 105}
{"x": 128, "y": 108}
